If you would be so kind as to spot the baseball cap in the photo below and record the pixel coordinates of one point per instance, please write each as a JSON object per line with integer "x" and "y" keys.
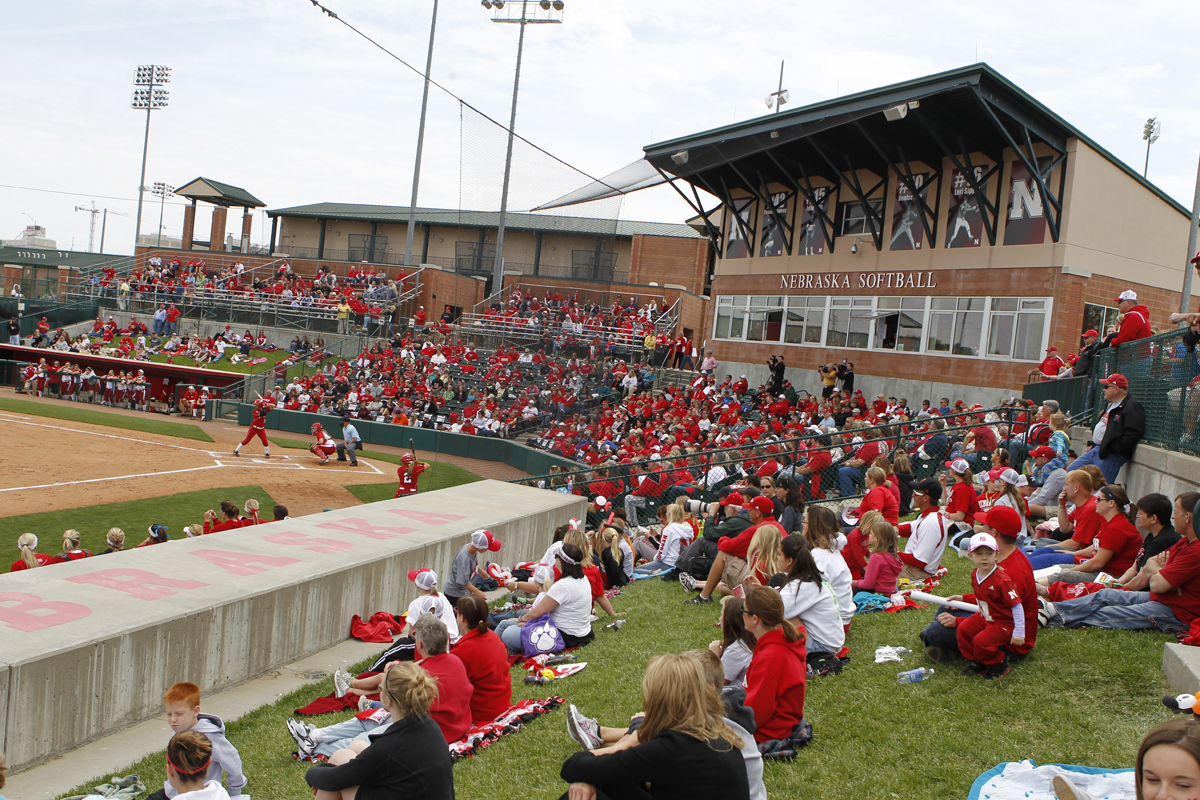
{"x": 601, "y": 501}
{"x": 1005, "y": 474}
{"x": 1116, "y": 379}
{"x": 483, "y": 540}
{"x": 426, "y": 605}
{"x": 425, "y": 579}
{"x": 959, "y": 465}
{"x": 1091, "y": 332}
{"x": 762, "y": 505}
{"x": 1051, "y": 349}
{"x": 929, "y": 487}
{"x": 1128, "y": 294}
{"x": 983, "y": 540}
{"x": 1002, "y": 519}
{"x": 542, "y": 573}
{"x": 733, "y": 499}
{"x": 1042, "y": 452}
{"x": 1022, "y": 480}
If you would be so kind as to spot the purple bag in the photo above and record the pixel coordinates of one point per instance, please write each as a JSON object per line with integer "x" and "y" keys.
{"x": 540, "y": 636}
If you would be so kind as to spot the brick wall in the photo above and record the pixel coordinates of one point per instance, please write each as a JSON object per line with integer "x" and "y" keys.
{"x": 669, "y": 259}
{"x": 440, "y": 289}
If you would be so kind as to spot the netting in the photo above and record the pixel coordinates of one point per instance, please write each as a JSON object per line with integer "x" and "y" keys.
{"x": 1164, "y": 376}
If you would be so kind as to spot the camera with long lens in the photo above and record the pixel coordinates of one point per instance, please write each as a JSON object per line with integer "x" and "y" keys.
{"x": 695, "y": 506}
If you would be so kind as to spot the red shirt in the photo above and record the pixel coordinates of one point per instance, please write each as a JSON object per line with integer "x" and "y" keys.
{"x": 739, "y": 545}
{"x": 1182, "y": 571}
{"x": 881, "y": 500}
{"x": 452, "y": 708}
{"x": 1124, "y": 540}
{"x": 485, "y": 658}
{"x": 775, "y": 684}
{"x": 1087, "y": 522}
{"x": 963, "y": 498}
{"x": 42, "y": 560}
{"x": 996, "y": 595}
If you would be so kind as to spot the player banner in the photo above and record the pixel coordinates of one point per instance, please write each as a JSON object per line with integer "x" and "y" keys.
{"x": 772, "y": 226}
{"x": 907, "y": 231}
{"x": 964, "y": 226}
{"x": 811, "y": 236}
{"x": 1026, "y": 222}
{"x": 735, "y": 235}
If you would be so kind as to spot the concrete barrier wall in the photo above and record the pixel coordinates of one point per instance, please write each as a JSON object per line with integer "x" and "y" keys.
{"x": 88, "y": 648}
{"x": 1156, "y": 470}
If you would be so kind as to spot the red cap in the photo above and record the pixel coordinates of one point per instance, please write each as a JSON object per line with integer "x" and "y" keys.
{"x": 733, "y": 499}
{"x": 1002, "y": 519}
{"x": 1042, "y": 452}
{"x": 483, "y": 540}
{"x": 1116, "y": 379}
{"x": 762, "y": 505}
{"x": 1091, "y": 332}
{"x": 1051, "y": 348}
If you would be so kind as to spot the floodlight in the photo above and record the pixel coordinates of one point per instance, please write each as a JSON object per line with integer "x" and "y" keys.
{"x": 558, "y": 5}
{"x": 486, "y": 3}
{"x": 896, "y": 113}
{"x": 498, "y": 5}
{"x": 545, "y": 4}
{"x": 769, "y": 100}
{"x": 681, "y": 157}
{"x": 1152, "y": 130}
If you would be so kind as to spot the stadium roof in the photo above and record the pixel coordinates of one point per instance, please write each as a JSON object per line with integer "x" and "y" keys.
{"x": 487, "y": 219}
{"x": 219, "y": 194}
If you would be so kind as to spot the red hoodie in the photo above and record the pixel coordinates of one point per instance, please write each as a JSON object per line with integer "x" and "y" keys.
{"x": 1136, "y": 325}
{"x": 775, "y": 685}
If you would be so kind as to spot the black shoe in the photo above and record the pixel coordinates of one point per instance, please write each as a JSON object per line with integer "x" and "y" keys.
{"x": 938, "y": 655}
{"x": 354, "y": 463}
{"x": 974, "y": 668}
{"x": 994, "y": 671}
{"x": 697, "y": 600}
{"x": 236, "y": 453}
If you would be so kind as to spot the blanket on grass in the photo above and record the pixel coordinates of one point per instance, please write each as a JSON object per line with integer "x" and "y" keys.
{"x": 1023, "y": 780}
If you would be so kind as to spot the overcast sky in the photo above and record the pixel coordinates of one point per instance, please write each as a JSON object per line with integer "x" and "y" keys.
{"x": 273, "y": 96}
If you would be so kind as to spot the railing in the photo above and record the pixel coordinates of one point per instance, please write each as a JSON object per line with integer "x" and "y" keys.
{"x": 1162, "y": 373}
{"x": 1072, "y": 394}
{"x": 825, "y": 486}
{"x": 58, "y": 314}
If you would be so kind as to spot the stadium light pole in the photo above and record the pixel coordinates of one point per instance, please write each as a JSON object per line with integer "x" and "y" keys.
{"x": 1185, "y": 297}
{"x": 163, "y": 191}
{"x": 151, "y": 98}
{"x": 1150, "y": 133}
{"x": 412, "y": 203}
{"x": 552, "y": 14}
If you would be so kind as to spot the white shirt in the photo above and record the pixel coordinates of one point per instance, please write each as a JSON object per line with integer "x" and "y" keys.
{"x": 438, "y": 606}
{"x": 674, "y": 538}
{"x": 817, "y": 608}
{"x": 574, "y": 612}
{"x": 837, "y": 574}
{"x": 736, "y": 660}
{"x": 1102, "y": 426}
{"x": 928, "y": 541}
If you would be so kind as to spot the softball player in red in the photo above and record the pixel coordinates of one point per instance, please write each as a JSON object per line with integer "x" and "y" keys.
{"x": 258, "y": 427}
{"x": 324, "y": 446}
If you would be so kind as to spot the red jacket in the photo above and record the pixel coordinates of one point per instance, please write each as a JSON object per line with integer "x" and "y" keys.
{"x": 485, "y": 659}
{"x": 452, "y": 708}
{"x": 1136, "y": 325}
{"x": 775, "y": 685}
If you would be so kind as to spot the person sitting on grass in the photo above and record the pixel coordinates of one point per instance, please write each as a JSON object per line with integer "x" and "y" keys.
{"x": 735, "y": 648}
{"x": 1173, "y": 599}
{"x": 884, "y": 565}
{"x": 1082, "y": 523}
{"x": 1001, "y": 617}
{"x": 776, "y": 678}
{"x": 1153, "y": 517}
{"x": 182, "y": 702}
{"x": 406, "y": 758}
{"x": 590, "y": 571}
{"x": 71, "y": 549}
{"x": 922, "y": 556}
{"x": 116, "y": 541}
{"x": 821, "y": 532}
{"x": 674, "y": 537}
{"x": 682, "y": 746}
{"x": 730, "y": 566}
{"x": 465, "y": 566}
{"x": 1167, "y": 767}
{"x": 485, "y": 659}
{"x": 189, "y": 754}
{"x": 568, "y": 602}
{"x": 1116, "y": 546}
{"x": 808, "y": 599}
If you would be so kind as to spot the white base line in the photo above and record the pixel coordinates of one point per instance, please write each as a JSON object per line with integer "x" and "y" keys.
{"x": 107, "y": 435}
{"x": 115, "y": 478}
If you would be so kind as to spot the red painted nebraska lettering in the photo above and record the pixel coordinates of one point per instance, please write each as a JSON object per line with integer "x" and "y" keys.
{"x": 242, "y": 563}
{"x": 24, "y": 614}
{"x": 427, "y": 517}
{"x": 364, "y": 528}
{"x": 313, "y": 544}
{"x": 139, "y": 583}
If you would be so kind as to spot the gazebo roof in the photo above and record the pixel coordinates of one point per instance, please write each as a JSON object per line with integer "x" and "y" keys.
{"x": 219, "y": 194}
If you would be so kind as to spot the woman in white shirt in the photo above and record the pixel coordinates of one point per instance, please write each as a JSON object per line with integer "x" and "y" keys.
{"x": 820, "y": 529}
{"x": 809, "y": 599}
{"x": 735, "y": 648}
{"x": 568, "y": 602}
{"x": 675, "y": 536}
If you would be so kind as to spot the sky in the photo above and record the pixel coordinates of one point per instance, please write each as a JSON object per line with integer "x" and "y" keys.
{"x": 276, "y": 97}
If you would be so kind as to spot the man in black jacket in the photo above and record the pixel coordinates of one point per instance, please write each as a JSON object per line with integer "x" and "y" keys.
{"x": 1087, "y": 353}
{"x": 1122, "y": 425}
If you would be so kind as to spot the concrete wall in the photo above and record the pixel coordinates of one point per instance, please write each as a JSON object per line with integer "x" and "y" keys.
{"x": 1157, "y": 470}
{"x": 89, "y": 647}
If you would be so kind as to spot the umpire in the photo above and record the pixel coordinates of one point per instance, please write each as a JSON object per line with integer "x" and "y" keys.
{"x": 351, "y": 443}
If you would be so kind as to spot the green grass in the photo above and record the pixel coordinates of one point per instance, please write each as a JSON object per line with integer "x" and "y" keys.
{"x": 146, "y": 423}
{"x": 438, "y": 476}
{"x": 273, "y": 357}
{"x": 132, "y": 516}
{"x": 1083, "y": 697}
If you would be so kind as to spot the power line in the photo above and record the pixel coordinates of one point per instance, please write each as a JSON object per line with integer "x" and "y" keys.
{"x": 76, "y": 194}
{"x": 333, "y": 15}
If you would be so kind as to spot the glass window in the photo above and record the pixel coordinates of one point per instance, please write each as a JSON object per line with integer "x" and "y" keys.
{"x": 1029, "y": 336}
{"x": 723, "y": 317}
{"x": 941, "y": 328}
{"x": 1000, "y": 338}
{"x": 805, "y": 318}
{"x": 815, "y": 325}
{"x": 839, "y": 322}
{"x": 738, "y": 323}
{"x": 794, "y": 332}
{"x": 898, "y": 323}
{"x": 1098, "y": 317}
{"x": 1004, "y": 304}
{"x": 968, "y": 326}
{"x": 854, "y": 218}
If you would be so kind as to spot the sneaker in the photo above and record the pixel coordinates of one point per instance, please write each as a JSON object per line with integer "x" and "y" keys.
{"x": 363, "y": 703}
{"x": 341, "y": 683}
{"x": 974, "y": 668}
{"x": 1064, "y": 789}
{"x": 304, "y": 740}
{"x": 236, "y": 453}
{"x": 1046, "y": 611}
{"x": 937, "y": 655}
{"x": 994, "y": 671}
{"x": 687, "y": 581}
{"x": 583, "y": 730}
{"x": 698, "y": 599}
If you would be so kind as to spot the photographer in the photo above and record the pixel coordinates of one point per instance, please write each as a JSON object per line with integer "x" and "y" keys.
{"x": 845, "y": 374}
{"x": 776, "y": 366}
{"x": 829, "y": 377}
{"x": 722, "y": 519}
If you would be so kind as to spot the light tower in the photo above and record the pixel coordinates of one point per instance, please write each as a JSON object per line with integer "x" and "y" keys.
{"x": 151, "y": 97}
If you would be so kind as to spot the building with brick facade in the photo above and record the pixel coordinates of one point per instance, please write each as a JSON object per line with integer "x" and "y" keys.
{"x": 940, "y": 234}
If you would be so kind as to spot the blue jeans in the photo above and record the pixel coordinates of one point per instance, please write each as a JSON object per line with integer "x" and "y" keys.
{"x": 1115, "y": 608}
{"x": 339, "y": 736}
{"x": 509, "y": 631}
{"x": 1110, "y": 465}
{"x": 1049, "y": 556}
{"x": 849, "y": 478}
{"x": 650, "y": 566}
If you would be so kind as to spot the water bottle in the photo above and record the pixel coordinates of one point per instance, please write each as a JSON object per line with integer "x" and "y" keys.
{"x": 914, "y": 675}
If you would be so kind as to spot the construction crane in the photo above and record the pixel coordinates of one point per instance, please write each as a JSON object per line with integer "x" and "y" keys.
{"x": 103, "y": 224}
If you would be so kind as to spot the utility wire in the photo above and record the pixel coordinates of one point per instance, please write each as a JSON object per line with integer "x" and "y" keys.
{"x": 333, "y": 15}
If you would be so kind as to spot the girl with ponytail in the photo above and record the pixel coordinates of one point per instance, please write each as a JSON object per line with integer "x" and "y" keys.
{"x": 27, "y": 545}
{"x": 188, "y": 756}
{"x": 71, "y": 550}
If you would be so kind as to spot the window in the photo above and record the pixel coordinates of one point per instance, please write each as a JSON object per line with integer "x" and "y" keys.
{"x": 898, "y": 323}
{"x": 955, "y": 325}
{"x": 849, "y": 322}
{"x": 854, "y": 218}
{"x": 805, "y": 320}
{"x": 765, "y": 320}
{"x": 724, "y": 315}
{"x": 1098, "y": 318}
{"x": 1016, "y": 327}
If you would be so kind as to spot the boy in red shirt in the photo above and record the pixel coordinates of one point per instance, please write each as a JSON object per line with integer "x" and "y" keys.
{"x": 1001, "y": 617}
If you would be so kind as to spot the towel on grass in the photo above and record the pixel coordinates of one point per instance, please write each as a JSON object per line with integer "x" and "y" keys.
{"x": 331, "y": 702}
{"x": 1023, "y": 780}
{"x": 381, "y": 627}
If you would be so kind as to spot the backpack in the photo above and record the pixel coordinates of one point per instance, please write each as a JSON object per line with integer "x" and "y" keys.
{"x": 541, "y": 636}
{"x": 700, "y": 567}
